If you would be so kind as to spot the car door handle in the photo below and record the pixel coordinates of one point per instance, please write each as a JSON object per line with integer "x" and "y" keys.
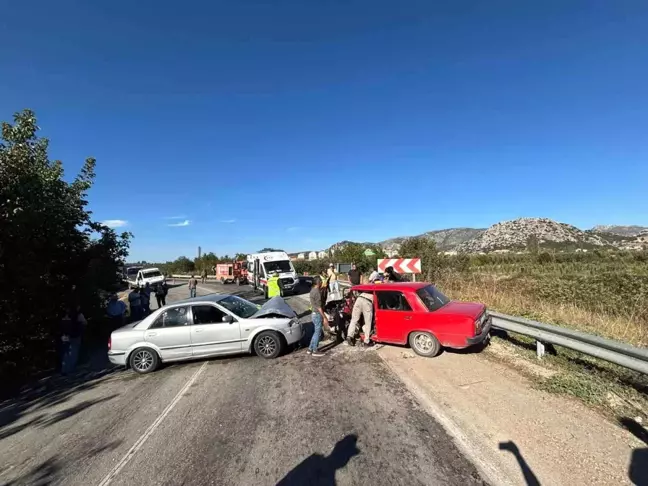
{"x": 408, "y": 318}
{"x": 198, "y": 330}
{"x": 151, "y": 334}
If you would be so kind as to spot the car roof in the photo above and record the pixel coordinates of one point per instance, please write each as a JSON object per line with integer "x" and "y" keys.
{"x": 391, "y": 286}
{"x": 203, "y": 298}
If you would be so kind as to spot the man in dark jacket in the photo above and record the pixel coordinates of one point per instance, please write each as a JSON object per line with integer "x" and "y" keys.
{"x": 161, "y": 291}
{"x": 392, "y": 276}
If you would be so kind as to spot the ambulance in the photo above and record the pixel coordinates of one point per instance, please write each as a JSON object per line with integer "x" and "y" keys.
{"x": 260, "y": 267}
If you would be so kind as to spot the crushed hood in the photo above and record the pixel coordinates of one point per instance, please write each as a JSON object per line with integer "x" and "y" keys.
{"x": 275, "y": 307}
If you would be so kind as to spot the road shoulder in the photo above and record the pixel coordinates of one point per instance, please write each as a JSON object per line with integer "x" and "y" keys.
{"x": 510, "y": 429}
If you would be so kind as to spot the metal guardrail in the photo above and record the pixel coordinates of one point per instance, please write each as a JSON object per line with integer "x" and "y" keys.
{"x": 622, "y": 354}
{"x": 625, "y": 355}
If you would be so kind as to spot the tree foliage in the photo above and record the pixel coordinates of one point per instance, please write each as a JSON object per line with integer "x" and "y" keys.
{"x": 51, "y": 251}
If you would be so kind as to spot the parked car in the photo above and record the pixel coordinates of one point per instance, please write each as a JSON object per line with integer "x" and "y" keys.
{"x": 211, "y": 325}
{"x": 420, "y": 315}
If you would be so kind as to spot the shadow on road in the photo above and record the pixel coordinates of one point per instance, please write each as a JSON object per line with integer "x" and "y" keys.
{"x": 39, "y": 399}
{"x": 638, "y": 469}
{"x": 50, "y": 470}
{"x": 319, "y": 470}
{"x": 530, "y": 478}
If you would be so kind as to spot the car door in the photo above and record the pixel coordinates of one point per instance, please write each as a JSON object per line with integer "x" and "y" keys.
{"x": 170, "y": 332}
{"x": 210, "y": 335}
{"x": 394, "y": 316}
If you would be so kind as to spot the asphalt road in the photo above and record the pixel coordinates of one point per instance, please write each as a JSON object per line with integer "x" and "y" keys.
{"x": 340, "y": 419}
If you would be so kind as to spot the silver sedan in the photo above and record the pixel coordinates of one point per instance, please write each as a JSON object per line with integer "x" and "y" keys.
{"x": 211, "y": 325}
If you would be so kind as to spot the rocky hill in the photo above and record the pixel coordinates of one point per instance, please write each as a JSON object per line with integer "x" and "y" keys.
{"x": 620, "y": 230}
{"x": 517, "y": 234}
{"x": 446, "y": 239}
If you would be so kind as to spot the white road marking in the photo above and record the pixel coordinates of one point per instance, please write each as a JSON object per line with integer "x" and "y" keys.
{"x": 140, "y": 442}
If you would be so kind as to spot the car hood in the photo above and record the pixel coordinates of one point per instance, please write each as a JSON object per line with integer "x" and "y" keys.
{"x": 275, "y": 307}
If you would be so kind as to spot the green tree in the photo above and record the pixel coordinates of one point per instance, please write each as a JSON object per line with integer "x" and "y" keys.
{"x": 432, "y": 261}
{"x": 51, "y": 251}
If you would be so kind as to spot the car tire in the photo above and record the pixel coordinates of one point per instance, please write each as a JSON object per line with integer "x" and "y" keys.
{"x": 144, "y": 360}
{"x": 424, "y": 344}
{"x": 268, "y": 345}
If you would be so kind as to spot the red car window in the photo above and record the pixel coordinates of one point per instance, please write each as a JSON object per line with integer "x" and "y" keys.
{"x": 392, "y": 300}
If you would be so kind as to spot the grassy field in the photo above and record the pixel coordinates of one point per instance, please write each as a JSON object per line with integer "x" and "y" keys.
{"x": 605, "y": 295}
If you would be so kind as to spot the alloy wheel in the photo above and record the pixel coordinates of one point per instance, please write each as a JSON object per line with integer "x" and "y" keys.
{"x": 266, "y": 345}
{"x": 143, "y": 360}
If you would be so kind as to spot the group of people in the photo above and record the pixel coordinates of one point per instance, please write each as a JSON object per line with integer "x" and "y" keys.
{"x": 363, "y": 306}
{"x": 139, "y": 300}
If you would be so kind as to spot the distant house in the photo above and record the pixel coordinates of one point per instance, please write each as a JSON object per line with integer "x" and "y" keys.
{"x": 321, "y": 254}
{"x": 312, "y": 255}
{"x": 301, "y": 256}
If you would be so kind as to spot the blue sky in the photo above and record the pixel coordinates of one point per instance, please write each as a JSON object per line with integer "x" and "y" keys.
{"x": 298, "y": 124}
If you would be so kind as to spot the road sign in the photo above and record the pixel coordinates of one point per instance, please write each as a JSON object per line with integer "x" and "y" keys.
{"x": 401, "y": 265}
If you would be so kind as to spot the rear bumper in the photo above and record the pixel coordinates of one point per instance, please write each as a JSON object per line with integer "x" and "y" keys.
{"x": 483, "y": 335}
{"x": 117, "y": 358}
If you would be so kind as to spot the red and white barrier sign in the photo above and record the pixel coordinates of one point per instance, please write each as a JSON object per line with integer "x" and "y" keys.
{"x": 401, "y": 265}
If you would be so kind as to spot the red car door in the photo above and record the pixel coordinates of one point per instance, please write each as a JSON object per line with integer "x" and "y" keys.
{"x": 394, "y": 317}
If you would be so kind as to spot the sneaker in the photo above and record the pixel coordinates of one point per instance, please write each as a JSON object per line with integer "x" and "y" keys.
{"x": 349, "y": 342}
{"x": 367, "y": 345}
{"x": 317, "y": 353}
{"x": 308, "y": 351}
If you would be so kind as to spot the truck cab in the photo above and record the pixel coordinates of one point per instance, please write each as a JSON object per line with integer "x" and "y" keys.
{"x": 260, "y": 267}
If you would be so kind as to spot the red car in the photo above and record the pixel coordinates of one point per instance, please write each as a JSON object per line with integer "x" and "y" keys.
{"x": 419, "y": 314}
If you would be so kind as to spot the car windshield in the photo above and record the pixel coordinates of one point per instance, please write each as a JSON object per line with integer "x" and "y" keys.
{"x": 278, "y": 266}
{"x": 432, "y": 297}
{"x": 133, "y": 271}
{"x": 240, "y": 307}
{"x": 153, "y": 273}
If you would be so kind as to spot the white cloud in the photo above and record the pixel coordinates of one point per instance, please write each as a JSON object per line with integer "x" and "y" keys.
{"x": 115, "y": 223}
{"x": 186, "y": 222}
{"x": 176, "y": 217}
{"x": 228, "y": 221}
{"x": 292, "y": 229}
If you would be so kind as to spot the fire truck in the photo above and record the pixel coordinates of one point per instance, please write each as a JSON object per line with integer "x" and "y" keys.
{"x": 234, "y": 272}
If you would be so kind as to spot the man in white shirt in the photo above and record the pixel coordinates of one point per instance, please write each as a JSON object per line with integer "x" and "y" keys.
{"x": 373, "y": 276}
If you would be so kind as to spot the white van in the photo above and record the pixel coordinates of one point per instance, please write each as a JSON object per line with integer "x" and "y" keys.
{"x": 151, "y": 276}
{"x": 260, "y": 267}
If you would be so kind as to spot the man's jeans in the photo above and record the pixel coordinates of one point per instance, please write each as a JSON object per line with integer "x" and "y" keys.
{"x": 192, "y": 292}
{"x": 317, "y": 331}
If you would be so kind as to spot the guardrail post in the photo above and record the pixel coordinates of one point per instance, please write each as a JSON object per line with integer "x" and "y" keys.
{"x": 540, "y": 349}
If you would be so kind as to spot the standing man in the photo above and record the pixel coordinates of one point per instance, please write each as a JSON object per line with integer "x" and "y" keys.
{"x": 273, "y": 285}
{"x": 319, "y": 318}
{"x": 135, "y": 302}
{"x": 334, "y": 285}
{"x": 145, "y": 297}
{"x": 72, "y": 327}
{"x": 373, "y": 275}
{"x": 193, "y": 285}
{"x": 161, "y": 291}
{"x": 354, "y": 275}
{"x": 363, "y": 307}
{"x": 116, "y": 311}
{"x": 203, "y": 275}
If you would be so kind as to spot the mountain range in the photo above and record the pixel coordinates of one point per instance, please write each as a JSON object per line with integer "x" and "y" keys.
{"x": 516, "y": 235}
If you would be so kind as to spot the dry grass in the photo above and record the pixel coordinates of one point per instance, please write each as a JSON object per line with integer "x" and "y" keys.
{"x": 515, "y": 296}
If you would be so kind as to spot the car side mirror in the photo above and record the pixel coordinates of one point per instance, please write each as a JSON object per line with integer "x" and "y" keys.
{"x": 229, "y": 319}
